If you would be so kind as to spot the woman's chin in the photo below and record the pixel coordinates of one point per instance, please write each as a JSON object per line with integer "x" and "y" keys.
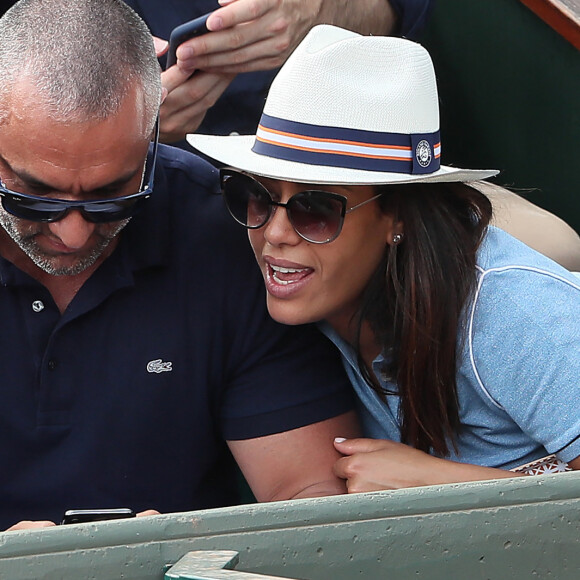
{"x": 288, "y": 313}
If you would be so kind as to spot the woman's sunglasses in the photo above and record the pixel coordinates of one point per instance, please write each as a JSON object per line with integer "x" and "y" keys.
{"x": 316, "y": 216}
{"x": 44, "y": 209}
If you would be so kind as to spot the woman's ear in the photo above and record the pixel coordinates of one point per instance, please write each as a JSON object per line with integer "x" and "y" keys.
{"x": 395, "y": 234}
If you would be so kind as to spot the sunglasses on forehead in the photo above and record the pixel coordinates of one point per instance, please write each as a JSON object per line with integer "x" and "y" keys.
{"x": 317, "y": 216}
{"x": 44, "y": 209}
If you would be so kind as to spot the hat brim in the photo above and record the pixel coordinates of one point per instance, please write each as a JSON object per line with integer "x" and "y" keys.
{"x": 236, "y": 151}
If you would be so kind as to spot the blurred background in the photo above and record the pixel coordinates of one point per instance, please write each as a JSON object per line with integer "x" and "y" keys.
{"x": 509, "y": 85}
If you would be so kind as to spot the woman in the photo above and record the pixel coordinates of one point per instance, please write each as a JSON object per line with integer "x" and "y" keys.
{"x": 461, "y": 342}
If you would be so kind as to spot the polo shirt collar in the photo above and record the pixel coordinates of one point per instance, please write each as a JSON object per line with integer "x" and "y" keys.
{"x": 144, "y": 242}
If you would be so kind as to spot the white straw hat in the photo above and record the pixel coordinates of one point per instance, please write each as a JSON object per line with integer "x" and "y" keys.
{"x": 346, "y": 109}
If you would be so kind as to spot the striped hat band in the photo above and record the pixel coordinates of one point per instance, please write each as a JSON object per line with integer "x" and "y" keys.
{"x": 413, "y": 154}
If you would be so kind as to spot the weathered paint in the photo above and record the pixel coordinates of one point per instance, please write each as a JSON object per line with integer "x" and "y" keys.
{"x": 509, "y": 528}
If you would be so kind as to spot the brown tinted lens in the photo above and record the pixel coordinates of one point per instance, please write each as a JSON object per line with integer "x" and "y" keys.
{"x": 246, "y": 200}
{"x": 316, "y": 215}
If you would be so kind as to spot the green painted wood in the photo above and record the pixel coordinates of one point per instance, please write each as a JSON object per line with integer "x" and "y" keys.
{"x": 509, "y": 90}
{"x": 515, "y": 528}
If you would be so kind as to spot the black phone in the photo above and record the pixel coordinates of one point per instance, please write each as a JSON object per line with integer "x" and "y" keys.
{"x": 81, "y": 516}
{"x": 183, "y": 32}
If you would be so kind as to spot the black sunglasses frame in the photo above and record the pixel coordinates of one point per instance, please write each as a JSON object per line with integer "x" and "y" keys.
{"x": 227, "y": 173}
{"x": 95, "y": 211}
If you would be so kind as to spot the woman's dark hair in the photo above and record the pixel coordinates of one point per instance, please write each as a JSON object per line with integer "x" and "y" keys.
{"x": 414, "y": 303}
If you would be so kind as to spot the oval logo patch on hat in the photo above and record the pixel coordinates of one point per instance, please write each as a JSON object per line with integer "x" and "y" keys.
{"x": 426, "y": 150}
{"x": 423, "y": 153}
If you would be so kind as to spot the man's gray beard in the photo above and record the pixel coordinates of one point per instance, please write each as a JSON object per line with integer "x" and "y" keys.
{"x": 28, "y": 245}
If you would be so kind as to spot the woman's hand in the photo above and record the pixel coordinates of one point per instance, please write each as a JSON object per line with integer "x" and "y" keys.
{"x": 376, "y": 464}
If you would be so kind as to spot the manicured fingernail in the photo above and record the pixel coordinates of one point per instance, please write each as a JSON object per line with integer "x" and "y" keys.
{"x": 339, "y": 439}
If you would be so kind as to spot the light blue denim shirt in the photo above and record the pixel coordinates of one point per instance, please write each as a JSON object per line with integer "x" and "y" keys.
{"x": 518, "y": 379}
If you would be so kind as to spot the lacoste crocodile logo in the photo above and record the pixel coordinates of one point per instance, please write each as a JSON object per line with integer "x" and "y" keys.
{"x": 158, "y": 366}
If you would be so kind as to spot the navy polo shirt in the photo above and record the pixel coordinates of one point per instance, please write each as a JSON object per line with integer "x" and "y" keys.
{"x": 240, "y": 107}
{"x": 165, "y": 352}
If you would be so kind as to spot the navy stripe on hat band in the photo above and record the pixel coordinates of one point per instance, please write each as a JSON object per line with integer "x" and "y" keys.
{"x": 417, "y": 153}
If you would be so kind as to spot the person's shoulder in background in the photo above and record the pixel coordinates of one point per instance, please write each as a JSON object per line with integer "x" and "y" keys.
{"x": 412, "y": 16}
{"x": 536, "y": 227}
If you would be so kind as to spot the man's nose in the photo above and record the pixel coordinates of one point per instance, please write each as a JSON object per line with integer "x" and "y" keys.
{"x": 73, "y": 230}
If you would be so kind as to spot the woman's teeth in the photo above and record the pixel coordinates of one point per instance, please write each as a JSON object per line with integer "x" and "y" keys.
{"x": 287, "y": 275}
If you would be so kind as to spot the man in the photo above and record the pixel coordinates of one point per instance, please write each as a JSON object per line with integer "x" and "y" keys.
{"x": 134, "y": 338}
{"x": 249, "y": 40}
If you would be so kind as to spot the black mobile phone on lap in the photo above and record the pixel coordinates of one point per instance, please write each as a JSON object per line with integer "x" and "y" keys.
{"x": 97, "y": 515}
{"x": 183, "y": 32}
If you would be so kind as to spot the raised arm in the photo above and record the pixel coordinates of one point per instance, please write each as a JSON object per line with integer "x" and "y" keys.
{"x": 250, "y": 35}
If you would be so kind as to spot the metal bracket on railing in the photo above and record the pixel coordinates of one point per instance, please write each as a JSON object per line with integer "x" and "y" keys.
{"x": 212, "y": 565}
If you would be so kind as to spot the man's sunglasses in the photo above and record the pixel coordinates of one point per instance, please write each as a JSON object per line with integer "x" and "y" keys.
{"x": 317, "y": 216}
{"x": 45, "y": 209}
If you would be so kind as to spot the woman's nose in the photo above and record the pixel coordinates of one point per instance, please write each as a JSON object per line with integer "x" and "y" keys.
{"x": 279, "y": 230}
